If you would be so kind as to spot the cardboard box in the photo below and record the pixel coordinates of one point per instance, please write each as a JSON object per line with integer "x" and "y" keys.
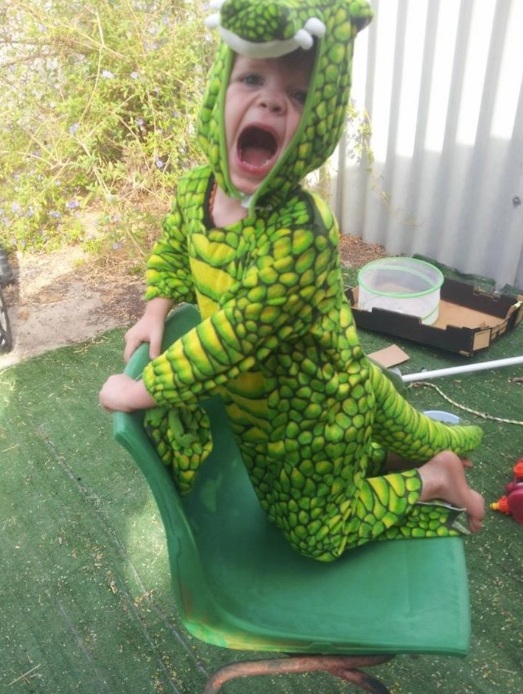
{"x": 469, "y": 321}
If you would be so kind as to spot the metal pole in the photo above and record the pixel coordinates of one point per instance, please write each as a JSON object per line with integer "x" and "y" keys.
{"x": 6, "y": 274}
{"x": 456, "y": 370}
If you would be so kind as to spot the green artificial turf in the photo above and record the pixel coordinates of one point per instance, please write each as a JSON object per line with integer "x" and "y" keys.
{"x": 85, "y": 596}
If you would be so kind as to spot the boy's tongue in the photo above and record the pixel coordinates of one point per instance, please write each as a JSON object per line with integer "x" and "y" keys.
{"x": 255, "y": 156}
{"x": 257, "y": 147}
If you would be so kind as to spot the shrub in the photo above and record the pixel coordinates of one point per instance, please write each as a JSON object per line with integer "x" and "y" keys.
{"x": 99, "y": 103}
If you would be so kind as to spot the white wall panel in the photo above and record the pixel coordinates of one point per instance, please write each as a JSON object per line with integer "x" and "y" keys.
{"x": 441, "y": 81}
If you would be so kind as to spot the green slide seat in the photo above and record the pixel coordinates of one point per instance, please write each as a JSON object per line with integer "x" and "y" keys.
{"x": 238, "y": 585}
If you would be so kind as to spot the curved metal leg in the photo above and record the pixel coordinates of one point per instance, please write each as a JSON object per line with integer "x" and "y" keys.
{"x": 6, "y": 274}
{"x": 6, "y": 341}
{"x": 345, "y": 667}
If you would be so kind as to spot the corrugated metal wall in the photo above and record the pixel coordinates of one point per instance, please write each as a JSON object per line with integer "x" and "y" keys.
{"x": 442, "y": 83}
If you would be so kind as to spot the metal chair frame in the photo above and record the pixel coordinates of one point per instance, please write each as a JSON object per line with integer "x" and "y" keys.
{"x": 344, "y": 667}
{"x": 6, "y": 337}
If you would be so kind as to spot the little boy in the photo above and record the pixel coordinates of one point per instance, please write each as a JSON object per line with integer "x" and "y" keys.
{"x": 313, "y": 417}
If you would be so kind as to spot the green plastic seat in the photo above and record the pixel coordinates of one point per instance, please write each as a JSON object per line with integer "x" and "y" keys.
{"x": 238, "y": 584}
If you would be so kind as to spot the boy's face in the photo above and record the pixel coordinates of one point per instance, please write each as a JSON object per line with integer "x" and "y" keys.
{"x": 263, "y": 106}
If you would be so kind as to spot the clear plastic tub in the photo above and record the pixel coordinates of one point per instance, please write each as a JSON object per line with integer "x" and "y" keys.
{"x": 402, "y": 285}
{"x": 442, "y": 416}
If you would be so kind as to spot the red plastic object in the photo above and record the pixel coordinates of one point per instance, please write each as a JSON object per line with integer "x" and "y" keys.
{"x": 518, "y": 470}
{"x": 512, "y": 502}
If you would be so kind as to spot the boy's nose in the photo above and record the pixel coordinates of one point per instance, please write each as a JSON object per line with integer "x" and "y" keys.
{"x": 274, "y": 101}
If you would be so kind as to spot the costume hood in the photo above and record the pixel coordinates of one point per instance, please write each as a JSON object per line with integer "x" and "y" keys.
{"x": 270, "y": 29}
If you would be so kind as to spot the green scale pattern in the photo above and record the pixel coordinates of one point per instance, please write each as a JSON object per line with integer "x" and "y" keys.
{"x": 321, "y": 129}
{"x": 313, "y": 417}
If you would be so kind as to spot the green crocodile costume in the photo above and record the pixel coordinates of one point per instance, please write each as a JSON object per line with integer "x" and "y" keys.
{"x": 312, "y": 415}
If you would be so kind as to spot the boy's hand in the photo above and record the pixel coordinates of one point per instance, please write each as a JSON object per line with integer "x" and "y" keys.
{"x": 123, "y": 394}
{"x": 148, "y": 329}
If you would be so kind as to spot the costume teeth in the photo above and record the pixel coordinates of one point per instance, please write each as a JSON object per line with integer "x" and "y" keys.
{"x": 213, "y": 20}
{"x": 315, "y": 27}
{"x": 303, "y": 39}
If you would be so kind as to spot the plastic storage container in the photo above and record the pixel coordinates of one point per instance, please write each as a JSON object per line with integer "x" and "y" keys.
{"x": 442, "y": 416}
{"x": 401, "y": 285}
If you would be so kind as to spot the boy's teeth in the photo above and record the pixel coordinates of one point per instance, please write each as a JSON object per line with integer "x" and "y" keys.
{"x": 257, "y": 147}
{"x": 255, "y": 156}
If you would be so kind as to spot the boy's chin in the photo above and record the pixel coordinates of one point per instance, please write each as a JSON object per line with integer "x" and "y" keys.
{"x": 247, "y": 185}
{"x": 247, "y": 189}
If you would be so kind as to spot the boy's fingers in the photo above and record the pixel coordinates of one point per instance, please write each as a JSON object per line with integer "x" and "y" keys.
{"x": 130, "y": 347}
{"x": 155, "y": 345}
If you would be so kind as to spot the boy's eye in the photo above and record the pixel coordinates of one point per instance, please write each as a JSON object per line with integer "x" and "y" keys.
{"x": 300, "y": 95}
{"x": 252, "y": 79}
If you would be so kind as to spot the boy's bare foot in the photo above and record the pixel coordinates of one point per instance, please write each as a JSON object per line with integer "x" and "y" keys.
{"x": 443, "y": 478}
{"x": 396, "y": 463}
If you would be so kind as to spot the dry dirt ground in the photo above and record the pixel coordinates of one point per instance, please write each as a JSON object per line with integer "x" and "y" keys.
{"x": 60, "y": 299}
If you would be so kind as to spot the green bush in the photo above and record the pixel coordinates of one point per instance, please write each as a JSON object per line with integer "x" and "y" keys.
{"x": 99, "y": 102}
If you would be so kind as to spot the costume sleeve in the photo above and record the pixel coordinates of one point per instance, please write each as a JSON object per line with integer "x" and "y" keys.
{"x": 400, "y": 428}
{"x": 168, "y": 273}
{"x": 276, "y": 301}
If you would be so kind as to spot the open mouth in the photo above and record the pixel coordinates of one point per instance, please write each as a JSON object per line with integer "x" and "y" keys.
{"x": 257, "y": 147}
